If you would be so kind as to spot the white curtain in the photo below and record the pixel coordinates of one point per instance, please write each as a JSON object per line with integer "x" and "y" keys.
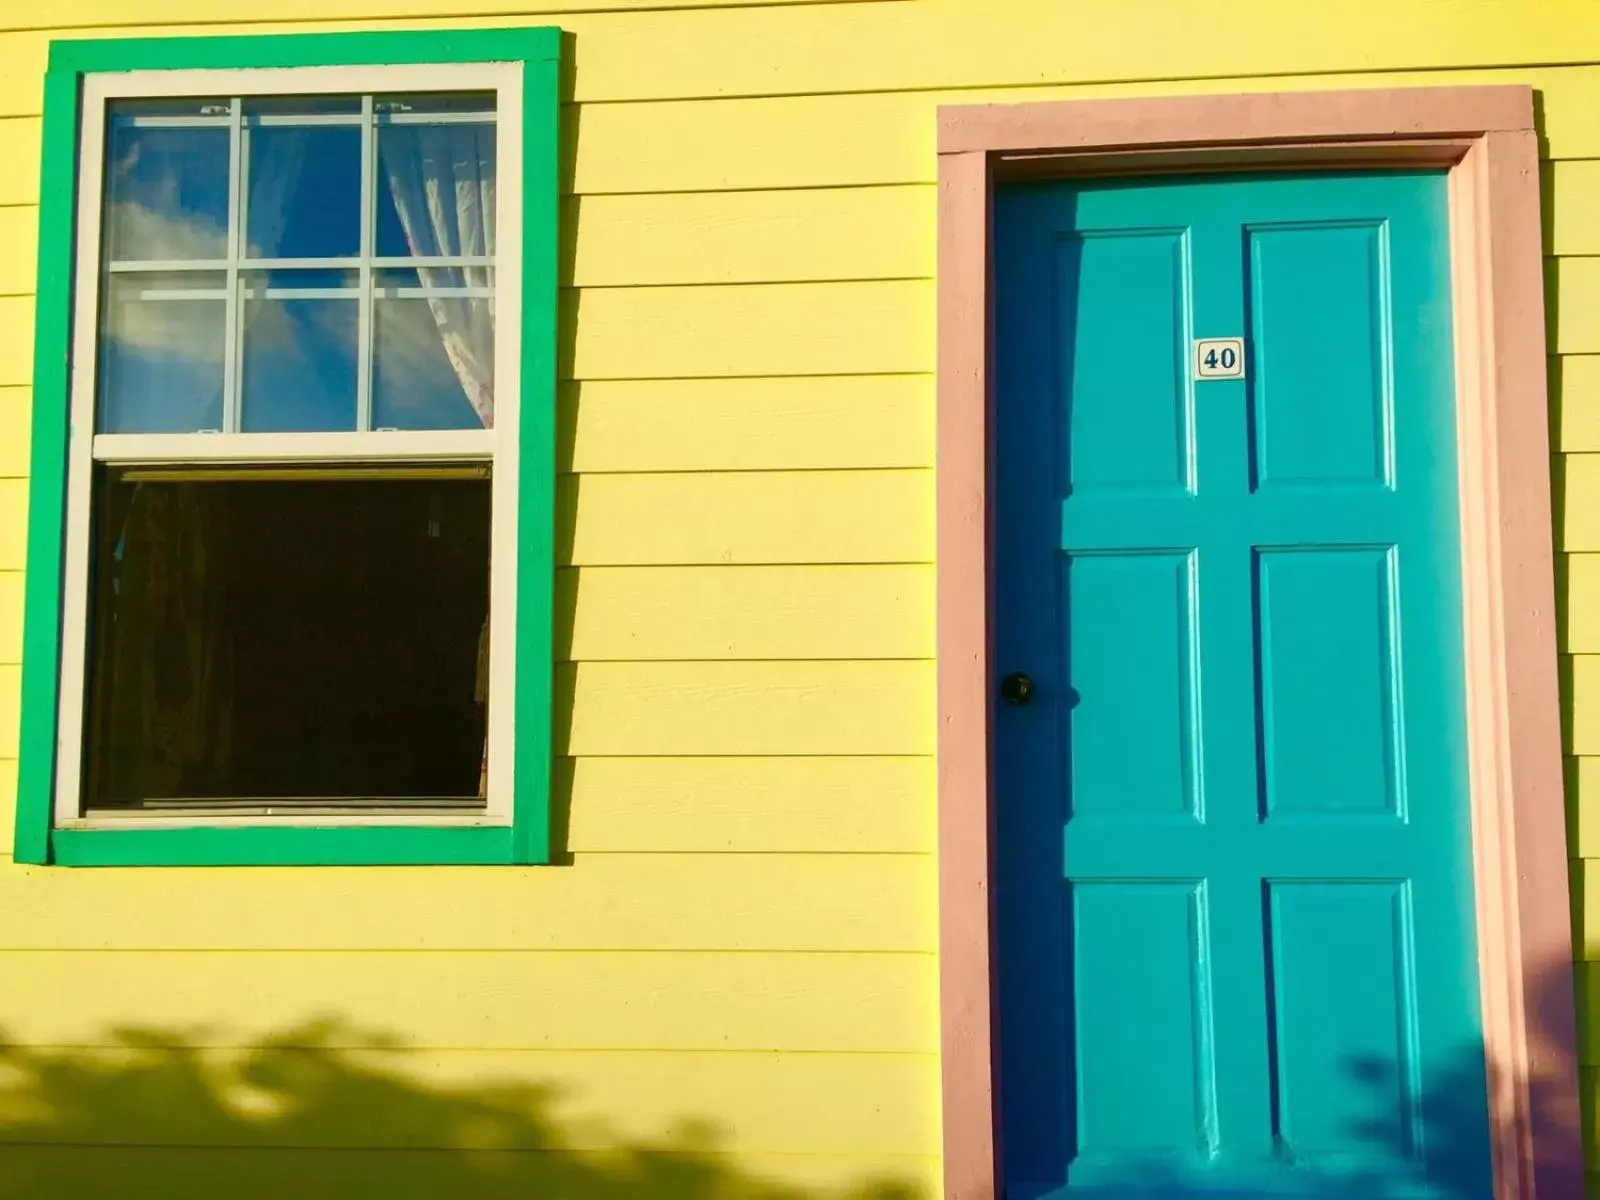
{"x": 442, "y": 181}
{"x": 277, "y": 157}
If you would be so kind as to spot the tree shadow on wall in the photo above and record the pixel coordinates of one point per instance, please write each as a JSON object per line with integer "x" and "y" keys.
{"x": 156, "y": 1112}
{"x": 156, "y": 1115}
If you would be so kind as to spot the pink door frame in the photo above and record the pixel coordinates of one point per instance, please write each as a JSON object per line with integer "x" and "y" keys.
{"x": 1486, "y": 138}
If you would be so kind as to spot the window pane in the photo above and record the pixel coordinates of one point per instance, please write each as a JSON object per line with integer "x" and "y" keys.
{"x": 426, "y": 103}
{"x": 436, "y": 190}
{"x": 304, "y": 196}
{"x": 433, "y": 349}
{"x": 307, "y": 639}
{"x": 166, "y": 192}
{"x": 161, "y": 352}
{"x": 301, "y": 106}
{"x": 299, "y": 351}
{"x": 211, "y": 108}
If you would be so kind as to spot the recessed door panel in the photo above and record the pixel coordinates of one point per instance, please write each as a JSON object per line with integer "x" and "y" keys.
{"x": 1141, "y": 688}
{"x": 1318, "y": 300}
{"x": 1128, "y": 427}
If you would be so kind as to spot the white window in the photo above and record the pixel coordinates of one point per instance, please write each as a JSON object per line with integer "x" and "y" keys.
{"x": 291, "y": 516}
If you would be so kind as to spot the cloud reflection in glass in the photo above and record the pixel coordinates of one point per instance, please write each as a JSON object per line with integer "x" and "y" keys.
{"x": 164, "y": 330}
{"x": 161, "y": 352}
{"x": 166, "y": 192}
{"x": 299, "y": 369}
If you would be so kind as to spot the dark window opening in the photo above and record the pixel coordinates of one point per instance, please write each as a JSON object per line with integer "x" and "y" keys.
{"x": 301, "y": 638}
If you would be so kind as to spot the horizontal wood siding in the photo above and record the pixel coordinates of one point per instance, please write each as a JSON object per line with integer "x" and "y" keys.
{"x": 253, "y": 1173}
{"x": 729, "y": 987}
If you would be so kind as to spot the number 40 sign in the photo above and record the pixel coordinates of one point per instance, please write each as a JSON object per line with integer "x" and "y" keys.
{"x": 1219, "y": 358}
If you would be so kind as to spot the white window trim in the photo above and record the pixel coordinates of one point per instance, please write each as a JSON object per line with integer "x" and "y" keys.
{"x": 499, "y": 445}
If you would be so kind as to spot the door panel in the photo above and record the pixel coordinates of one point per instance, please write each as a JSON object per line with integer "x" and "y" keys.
{"x": 1147, "y": 1006}
{"x": 1334, "y": 347}
{"x": 1236, "y": 947}
{"x": 1149, "y": 682}
{"x": 1133, "y": 432}
{"x": 1341, "y": 948}
{"x": 1326, "y": 645}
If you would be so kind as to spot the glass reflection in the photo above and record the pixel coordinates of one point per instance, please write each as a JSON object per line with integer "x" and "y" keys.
{"x": 304, "y": 198}
{"x": 302, "y": 106}
{"x": 191, "y": 108}
{"x": 436, "y": 190}
{"x": 436, "y": 198}
{"x": 429, "y": 103}
{"x": 433, "y": 350}
{"x": 297, "y": 333}
{"x": 166, "y": 192}
{"x": 161, "y": 353}
{"x": 299, "y": 359}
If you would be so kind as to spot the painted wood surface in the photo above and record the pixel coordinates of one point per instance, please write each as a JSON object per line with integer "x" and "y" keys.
{"x": 1331, "y": 756}
{"x": 245, "y": 1173}
{"x": 810, "y": 422}
{"x": 739, "y": 517}
{"x": 747, "y": 527}
{"x": 698, "y": 613}
{"x": 111, "y": 13}
{"x": 843, "y": 901}
{"x": 608, "y": 1000}
{"x": 824, "y": 1104}
{"x": 712, "y": 708}
{"x": 670, "y": 53}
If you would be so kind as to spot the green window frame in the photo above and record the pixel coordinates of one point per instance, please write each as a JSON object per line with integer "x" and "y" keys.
{"x": 526, "y": 838}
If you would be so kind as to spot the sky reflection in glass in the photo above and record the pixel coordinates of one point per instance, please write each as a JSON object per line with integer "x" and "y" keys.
{"x": 415, "y": 385}
{"x": 304, "y": 196}
{"x": 161, "y": 357}
{"x": 166, "y": 193}
{"x": 299, "y": 353}
{"x": 459, "y": 162}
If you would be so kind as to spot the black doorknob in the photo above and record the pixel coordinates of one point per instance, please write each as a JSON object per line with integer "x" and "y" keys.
{"x": 1016, "y": 688}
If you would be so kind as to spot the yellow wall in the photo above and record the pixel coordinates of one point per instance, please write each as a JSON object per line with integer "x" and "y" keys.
{"x": 734, "y": 979}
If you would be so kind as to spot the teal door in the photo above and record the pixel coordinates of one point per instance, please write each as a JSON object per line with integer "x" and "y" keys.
{"x": 1234, "y": 887}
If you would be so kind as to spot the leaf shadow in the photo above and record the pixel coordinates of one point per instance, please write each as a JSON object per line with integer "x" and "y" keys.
{"x": 326, "y": 1109}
